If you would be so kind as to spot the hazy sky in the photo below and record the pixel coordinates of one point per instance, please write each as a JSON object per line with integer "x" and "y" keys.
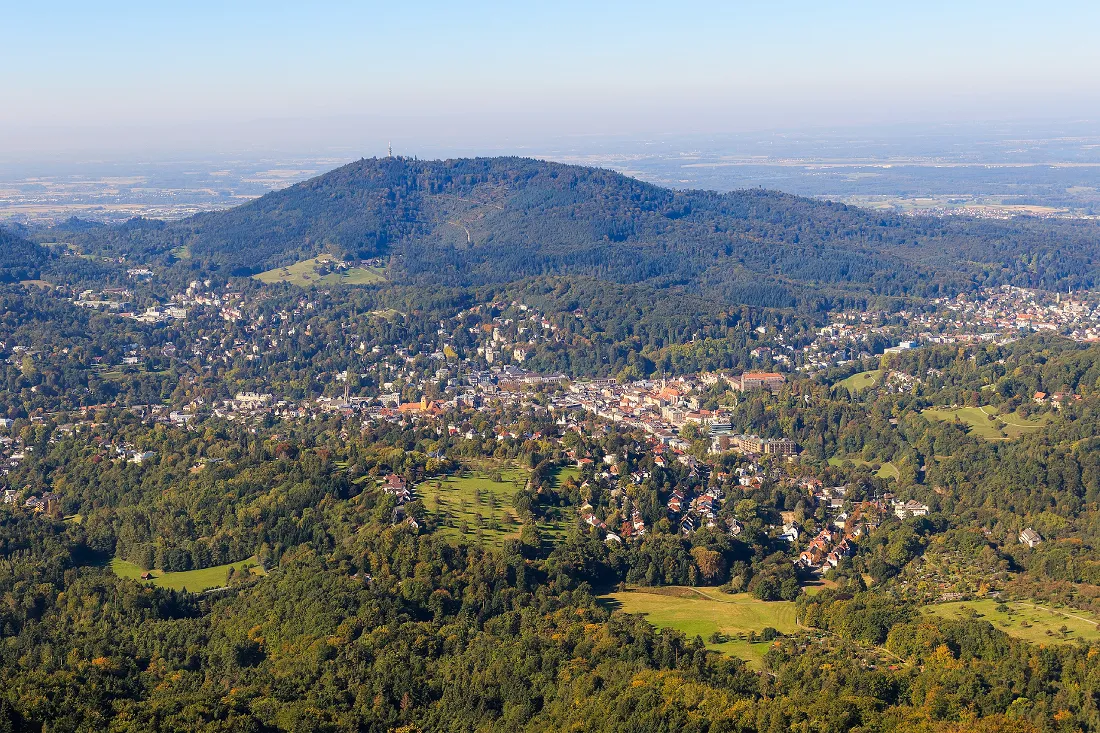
{"x": 132, "y": 75}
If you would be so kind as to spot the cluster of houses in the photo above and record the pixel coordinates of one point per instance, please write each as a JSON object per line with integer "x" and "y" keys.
{"x": 514, "y": 334}
{"x": 634, "y": 526}
{"x": 1055, "y": 400}
{"x": 663, "y": 408}
{"x": 12, "y": 450}
{"x": 1010, "y": 310}
{"x": 47, "y": 503}
{"x": 698, "y": 511}
{"x": 992, "y": 315}
{"x": 826, "y": 550}
{"x": 837, "y": 540}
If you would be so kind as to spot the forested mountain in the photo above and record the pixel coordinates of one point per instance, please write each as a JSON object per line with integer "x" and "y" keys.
{"x": 491, "y": 220}
{"x": 19, "y": 258}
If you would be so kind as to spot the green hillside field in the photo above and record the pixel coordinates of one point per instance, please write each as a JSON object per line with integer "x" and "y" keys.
{"x": 192, "y": 580}
{"x": 980, "y": 424}
{"x": 704, "y": 611}
{"x": 307, "y": 272}
{"x": 861, "y": 381}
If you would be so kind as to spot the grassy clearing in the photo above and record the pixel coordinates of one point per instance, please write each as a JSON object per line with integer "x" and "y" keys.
{"x": 861, "y": 381}
{"x": 888, "y": 470}
{"x": 308, "y": 272}
{"x": 192, "y": 580}
{"x": 885, "y": 470}
{"x": 704, "y": 611}
{"x": 478, "y": 506}
{"x": 1027, "y": 621}
{"x": 561, "y": 475}
{"x": 977, "y": 418}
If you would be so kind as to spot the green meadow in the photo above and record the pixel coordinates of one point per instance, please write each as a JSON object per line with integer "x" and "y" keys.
{"x": 307, "y": 272}
{"x": 561, "y": 475}
{"x": 979, "y": 423}
{"x": 861, "y": 381}
{"x": 192, "y": 580}
{"x": 705, "y": 611}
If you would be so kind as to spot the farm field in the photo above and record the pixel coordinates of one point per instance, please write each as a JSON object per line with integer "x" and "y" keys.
{"x": 704, "y": 611}
{"x": 980, "y": 424}
{"x": 1024, "y": 620}
{"x": 478, "y": 506}
{"x": 192, "y": 580}
{"x": 307, "y": 272}
{"x": 861, "y": 381}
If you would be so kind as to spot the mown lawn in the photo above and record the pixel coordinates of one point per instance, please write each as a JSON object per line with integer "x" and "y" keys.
{"x": 1023, "y": 620}
{"x": 306, "y": 273}
{"x": 192, "y": 580}
{"x": 977, "y": 418}
{"x": 861, "y": 381}
{"x": 704, "y": 611}
{"x": 561, "y": 475}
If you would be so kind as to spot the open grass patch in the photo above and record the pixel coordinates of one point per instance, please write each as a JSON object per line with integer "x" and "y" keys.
{"x": 312, "y": 272}
{"x": 706, "y": 611}
{"x": 1024, "y": 620}
{"x": 861, "y": 381}
{"x": 192, "y": 580}
{"x": 987, "y": 422}
{"x": 885, "y": 470}
{"x": 564, "y": 473}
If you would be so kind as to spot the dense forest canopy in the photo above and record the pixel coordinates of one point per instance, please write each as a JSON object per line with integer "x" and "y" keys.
{"x": 491, "y": 220}
{"x": 20, "y": 259}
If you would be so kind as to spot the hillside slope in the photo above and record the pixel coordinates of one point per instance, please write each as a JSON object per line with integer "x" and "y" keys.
{"x": 486, "y": 220}
{"x": 20, "y": 259}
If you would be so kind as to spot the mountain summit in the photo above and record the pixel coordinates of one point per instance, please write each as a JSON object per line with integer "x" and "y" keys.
{"x": 485, "y": 220}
